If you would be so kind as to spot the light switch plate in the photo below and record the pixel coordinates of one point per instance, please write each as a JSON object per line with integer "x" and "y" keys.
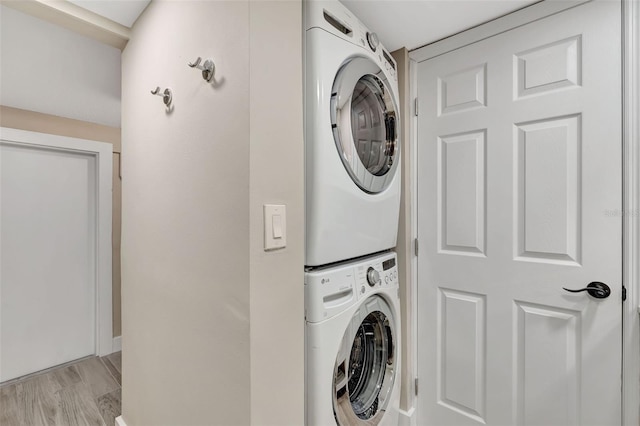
{"x": 275, "y": 224}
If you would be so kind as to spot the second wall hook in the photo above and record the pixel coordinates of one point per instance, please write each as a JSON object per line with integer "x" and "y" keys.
{"x": 207, "y": 68}
{"x": 166, "y": 95}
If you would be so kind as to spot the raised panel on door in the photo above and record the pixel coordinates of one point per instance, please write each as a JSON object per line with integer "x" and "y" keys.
{"x": 547, "y": 365}
{"x": 461, "y": 193}
{"x": 519, "y": 161}
{"x": 547, "y": 193}
{"x": 462, "y": 90}
{"x": 461, "y": 374}
{"x": 549, "y": 67}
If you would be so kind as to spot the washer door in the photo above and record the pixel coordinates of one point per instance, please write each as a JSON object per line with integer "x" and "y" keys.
{"x": 365, "y": 368}
{"x": 364, "y": 122}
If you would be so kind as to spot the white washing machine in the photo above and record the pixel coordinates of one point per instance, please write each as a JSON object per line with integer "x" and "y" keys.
{"x": 352, "y": 144}
{"x": 353, "y": 343}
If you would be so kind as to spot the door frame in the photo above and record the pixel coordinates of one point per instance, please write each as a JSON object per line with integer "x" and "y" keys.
{"x": 630, "y": 362}
{"x": 631, "y": 210}
{"x": 103, "y": 154}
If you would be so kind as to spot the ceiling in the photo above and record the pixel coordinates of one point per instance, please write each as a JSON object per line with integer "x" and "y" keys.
{"x": 414, "y": 23}
{"x": 124, "y": 12}
{"x": 399, "y": 23}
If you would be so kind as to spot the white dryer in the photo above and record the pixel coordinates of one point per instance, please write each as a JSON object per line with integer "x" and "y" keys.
{"x": 352, "y": 144}
{"x": 353, "y": 343}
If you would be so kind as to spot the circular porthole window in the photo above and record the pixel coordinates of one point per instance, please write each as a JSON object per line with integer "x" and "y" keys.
{"x": 364, "y": 124}
{"x": 365, "y": 368}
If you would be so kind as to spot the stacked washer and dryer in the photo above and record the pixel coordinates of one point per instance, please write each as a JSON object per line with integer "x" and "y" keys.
{"x": 352, "y": 178}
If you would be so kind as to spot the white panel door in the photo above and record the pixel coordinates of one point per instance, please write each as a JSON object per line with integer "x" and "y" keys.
{"x": 47, "y": 258}
{"x": 519, "y": 196}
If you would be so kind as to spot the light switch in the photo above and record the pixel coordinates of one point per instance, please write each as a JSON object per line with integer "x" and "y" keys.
{"x": 275, "y": 226}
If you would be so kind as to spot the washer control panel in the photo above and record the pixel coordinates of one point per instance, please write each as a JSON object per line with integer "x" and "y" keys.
{"x": 329, "y": 291}
{"x": 379, "y": 273}
{"x": 373, "y": 277}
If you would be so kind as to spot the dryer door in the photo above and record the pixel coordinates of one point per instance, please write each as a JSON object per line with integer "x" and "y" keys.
{"x": 364, "y": 121}
{"x": 365, "y": 368}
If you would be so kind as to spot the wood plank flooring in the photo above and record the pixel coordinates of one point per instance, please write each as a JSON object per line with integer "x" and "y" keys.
{"x": 84, "y": 393}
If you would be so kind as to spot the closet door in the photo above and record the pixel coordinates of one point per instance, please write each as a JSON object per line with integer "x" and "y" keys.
{"x": 519, "y": 201}
{"x": 47, "y": 257}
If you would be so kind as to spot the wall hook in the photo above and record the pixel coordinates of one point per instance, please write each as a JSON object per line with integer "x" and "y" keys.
{"x": 166, "y": 95}
{"x": 207, "y": 68}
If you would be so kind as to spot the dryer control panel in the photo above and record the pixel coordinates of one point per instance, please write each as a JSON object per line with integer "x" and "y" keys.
{"x": 337, "y": 19}
{"x": 330, "y": 291}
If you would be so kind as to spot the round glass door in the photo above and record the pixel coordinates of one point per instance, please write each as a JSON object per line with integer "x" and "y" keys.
{"x": 364, "y": 123}
{"x": 365, "y": 367}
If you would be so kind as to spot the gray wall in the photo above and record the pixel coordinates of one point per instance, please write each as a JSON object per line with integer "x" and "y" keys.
{"x": 53, "y": 70}
{"x": 213, "y": 326}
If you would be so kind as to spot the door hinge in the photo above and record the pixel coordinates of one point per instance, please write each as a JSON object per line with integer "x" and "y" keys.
{"x": 415, "y": 246}
{"x": 415, "y": 107}
{"x": 624, "y": 293}
{"x": 119, "y": 154}
{"x": 416, "y": 385}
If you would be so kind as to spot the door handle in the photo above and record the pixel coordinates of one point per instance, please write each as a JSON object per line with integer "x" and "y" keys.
{"x": 595, "y": 289}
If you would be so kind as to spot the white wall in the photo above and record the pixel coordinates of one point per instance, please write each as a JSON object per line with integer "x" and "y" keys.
{"x": 49, "y": 69}
{"x": 213, "y": 326}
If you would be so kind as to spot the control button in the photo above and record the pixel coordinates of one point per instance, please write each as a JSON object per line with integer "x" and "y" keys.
{"x": 372, "y": 38}
{"x": 373, "y": 277}
{"x": 362, "y": 290}
{"x": 386, "y": 279}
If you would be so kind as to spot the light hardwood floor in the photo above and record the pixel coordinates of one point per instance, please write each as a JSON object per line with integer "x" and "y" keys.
{"x": 83, "y": 393}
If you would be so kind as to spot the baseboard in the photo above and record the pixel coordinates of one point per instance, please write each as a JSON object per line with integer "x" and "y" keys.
{"x": 117, "y": 344}
{"x": 120, "y": 421}
{"x": 407, "y": 418}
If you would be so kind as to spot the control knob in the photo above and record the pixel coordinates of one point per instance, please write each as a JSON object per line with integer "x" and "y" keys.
{"x": 372, "y": 38}
{"x": 373, "y": 277}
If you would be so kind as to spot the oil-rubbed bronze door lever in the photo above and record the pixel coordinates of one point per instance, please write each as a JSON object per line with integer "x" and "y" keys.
{"x": 595, "y": 289}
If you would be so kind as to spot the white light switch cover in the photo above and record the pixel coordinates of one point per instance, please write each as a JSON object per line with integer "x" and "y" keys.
{"x": 275, "y": 226}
